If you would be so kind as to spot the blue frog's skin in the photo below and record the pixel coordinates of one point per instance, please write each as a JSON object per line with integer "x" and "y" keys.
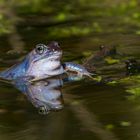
{"x": 45, "y": 95}
{"x": 42, "y": 62}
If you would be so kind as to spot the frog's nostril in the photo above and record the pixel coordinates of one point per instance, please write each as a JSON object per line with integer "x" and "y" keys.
{"x": 58, "y": 44}
{"x": 54, "y": 46}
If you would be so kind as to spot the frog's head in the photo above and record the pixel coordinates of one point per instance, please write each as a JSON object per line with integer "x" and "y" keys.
{"x": 50, "y": 52}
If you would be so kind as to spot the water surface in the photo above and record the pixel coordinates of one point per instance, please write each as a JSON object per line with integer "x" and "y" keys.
{"x": 91, "y": 111}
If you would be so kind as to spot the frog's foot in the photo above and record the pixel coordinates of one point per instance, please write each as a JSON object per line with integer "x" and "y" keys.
{"x": 81, "y": 74}
{"x": 86, "y": 74}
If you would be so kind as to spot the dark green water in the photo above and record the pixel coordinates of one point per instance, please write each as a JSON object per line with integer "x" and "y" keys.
{"x": 91, "y": 111}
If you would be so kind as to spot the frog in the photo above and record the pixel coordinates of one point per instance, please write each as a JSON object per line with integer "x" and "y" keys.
{"x": 43, "y": 61}
{"x": 45, "y": 95}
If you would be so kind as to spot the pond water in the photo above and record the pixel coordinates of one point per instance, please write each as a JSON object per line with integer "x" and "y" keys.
{"x": 91, "y": 110}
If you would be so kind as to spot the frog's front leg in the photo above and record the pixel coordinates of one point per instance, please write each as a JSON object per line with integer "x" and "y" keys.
{"x": 36, "y": 79}
{"x": 79, "y": 69}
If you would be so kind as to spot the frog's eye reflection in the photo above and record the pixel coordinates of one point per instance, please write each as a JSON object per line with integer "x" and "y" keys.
{"x": 43, "y": 110}
{"x": 40, "y": 48}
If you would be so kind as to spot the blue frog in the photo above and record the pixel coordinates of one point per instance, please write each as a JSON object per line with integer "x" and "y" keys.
{"x": 45, "y": 95}
{"x": 43, "y": 61}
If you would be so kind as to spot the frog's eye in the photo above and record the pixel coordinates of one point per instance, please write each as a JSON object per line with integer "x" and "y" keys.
{"x": 40, "y": 48}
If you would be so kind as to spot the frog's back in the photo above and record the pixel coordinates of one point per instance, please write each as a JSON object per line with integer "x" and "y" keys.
{"x": 15, "y": 71}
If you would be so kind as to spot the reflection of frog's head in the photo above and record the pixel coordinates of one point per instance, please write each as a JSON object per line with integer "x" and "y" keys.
{"x": 51, "y": 52}
{"x": 45, "y": 95}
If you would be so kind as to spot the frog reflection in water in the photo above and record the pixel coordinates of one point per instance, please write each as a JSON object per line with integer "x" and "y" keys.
{"x": 45, "y": 95}
{"x": 42, "y": 62}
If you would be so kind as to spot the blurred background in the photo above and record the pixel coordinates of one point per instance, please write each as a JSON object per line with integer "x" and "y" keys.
{"x": 92, "y": 22}
{"x": 99, "y": 112}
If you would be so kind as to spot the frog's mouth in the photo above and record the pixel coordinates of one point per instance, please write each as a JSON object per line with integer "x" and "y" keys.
{"x": 52, "y": 56}
{"x": 55, "y": 56}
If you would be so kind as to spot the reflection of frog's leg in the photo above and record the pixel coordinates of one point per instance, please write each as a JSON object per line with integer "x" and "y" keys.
{"x": 71, "y": 77}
